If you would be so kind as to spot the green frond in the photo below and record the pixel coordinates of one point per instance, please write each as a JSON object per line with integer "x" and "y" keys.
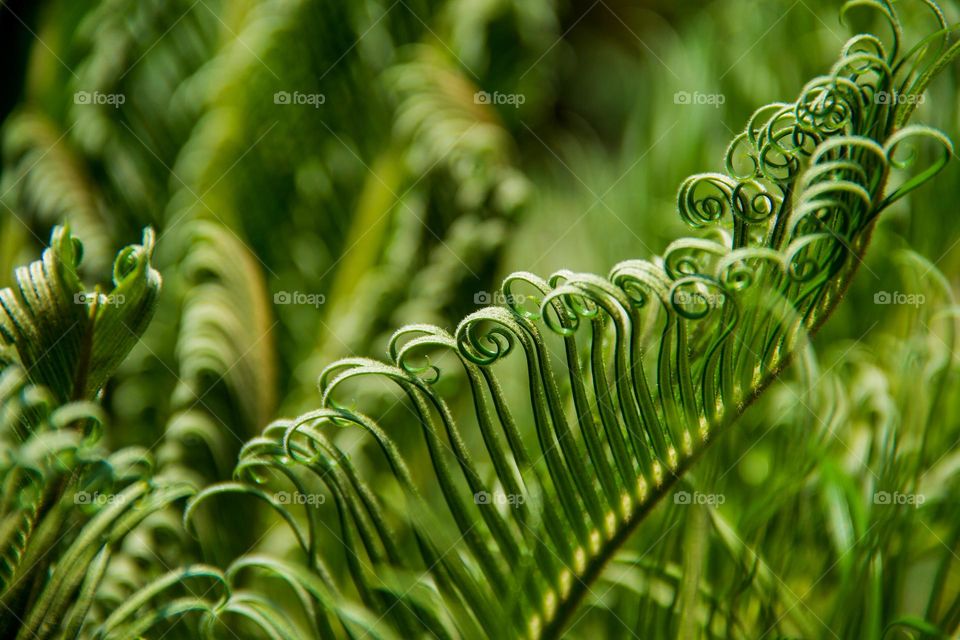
{"x": 49, "y": 183}
{"x": 67, "y": 507}
{"x": 68, "y": 338}
{"x": 504, "y": 476}
{"x": 659, "y": 359}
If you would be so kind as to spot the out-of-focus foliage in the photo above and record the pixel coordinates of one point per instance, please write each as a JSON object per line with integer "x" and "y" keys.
{"x": 319, "y": 173}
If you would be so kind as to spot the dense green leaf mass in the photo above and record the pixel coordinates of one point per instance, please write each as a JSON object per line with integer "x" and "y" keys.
{"x": 503, "y": 477}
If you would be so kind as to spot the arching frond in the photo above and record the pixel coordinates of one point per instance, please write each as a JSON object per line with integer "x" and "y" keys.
{"x": 519, "y": 502}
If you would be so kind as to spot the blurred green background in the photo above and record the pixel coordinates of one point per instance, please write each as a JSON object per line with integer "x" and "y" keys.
{"x": 320, "y": 172}
{"x": 397, "y": 195}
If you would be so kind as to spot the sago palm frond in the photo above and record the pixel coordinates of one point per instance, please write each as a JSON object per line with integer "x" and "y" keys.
{"x": 517, "y": 505}
{"x": 68, "y": 502}
{"x": 519, "y": 495}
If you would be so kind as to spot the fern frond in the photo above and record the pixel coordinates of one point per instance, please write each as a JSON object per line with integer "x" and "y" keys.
{"x": 70, "y": 339}
{"x": 519, "y": 503}
{"x": 67, "y": 506}
{"x": 48, "y": 182}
